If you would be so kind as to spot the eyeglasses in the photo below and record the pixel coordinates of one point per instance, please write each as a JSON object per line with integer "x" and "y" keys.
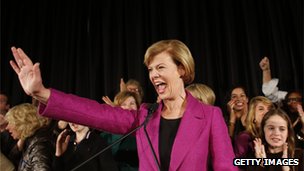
{"x": 294, "y": 99}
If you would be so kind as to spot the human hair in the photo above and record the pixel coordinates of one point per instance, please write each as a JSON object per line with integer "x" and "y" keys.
{"x": 179, "y": 53}
{"x": 26, "y": 120}
{"x": 202, "y": 92}
{"x": 137, "y": 84}
{"x": 250, "y": 120}
{"x": 123, "y": 95}
{"x": 290, "y": 138}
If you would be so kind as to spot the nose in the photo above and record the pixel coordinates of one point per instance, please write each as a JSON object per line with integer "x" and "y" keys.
{"x": 276, "y": 131}
{"x": 153, "y": 73}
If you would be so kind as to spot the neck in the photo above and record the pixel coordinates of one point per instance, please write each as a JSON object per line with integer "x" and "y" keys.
{"x": 175, "y": 108}
{"x": 275, "y": 149}
{"x": 81, "y": 135}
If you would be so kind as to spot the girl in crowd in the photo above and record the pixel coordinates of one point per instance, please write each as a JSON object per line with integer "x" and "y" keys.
{"x": 277, "y": 141}
{"x": 291, "y": 102}
{"x": 131, "y": 86}
{"x": 72, "y": 150}
{"x": 243, "y": 143}
{"x": 202, "y": 92}
{"x": 183, "y": 131}
{"x": 237, "y": 108}
{"x": 126, "y": 152}
{"x": 34, "y": 138}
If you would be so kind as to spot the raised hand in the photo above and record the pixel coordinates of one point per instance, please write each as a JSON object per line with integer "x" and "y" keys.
{"x": 108, "y": 101}
{"x": 285, "y": 155}
{"x": 285, "y": 150}
{"x": 29, "y": 75}
{"x": 264, "y": 64}
{"x": 301, "y": 114}
{"x": 123, "y": 86}
{"x": 62, "y": 142}
{"x": 230, "y": 106}
{"x": 259, "y": 148}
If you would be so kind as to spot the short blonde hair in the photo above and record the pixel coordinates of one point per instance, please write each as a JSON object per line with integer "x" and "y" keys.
{"x": 26, "y": 120}
{"x": 250, "y": 120}
{"x": 202, "y": 92}
{"x": 179, "y": 53}
{"x": 123, "y": 95}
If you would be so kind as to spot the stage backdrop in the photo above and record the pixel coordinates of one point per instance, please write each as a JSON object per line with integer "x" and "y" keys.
{"x": 85, "y": 47}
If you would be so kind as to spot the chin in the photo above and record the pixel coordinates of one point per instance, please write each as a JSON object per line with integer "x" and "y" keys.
{"x": 276, "y": 145}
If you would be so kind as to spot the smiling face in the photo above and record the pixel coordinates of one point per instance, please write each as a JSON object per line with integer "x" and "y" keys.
{"x": 293, "y": 100}
{"x": 260, "y": 110}
{"x": 240, "y": 99}
{"x": 165, "y": 76}
{"x": 276, "y": 131}
{"x": 129, "y": 104}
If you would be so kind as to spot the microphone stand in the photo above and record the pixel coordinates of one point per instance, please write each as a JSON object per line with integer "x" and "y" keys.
{"x": 151, "y": 147}
{"x": 151, "y": 110}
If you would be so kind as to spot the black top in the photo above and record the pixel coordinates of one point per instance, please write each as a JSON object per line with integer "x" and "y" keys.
{"x": 78, "y": 153}
{"x": 167, "y": 133}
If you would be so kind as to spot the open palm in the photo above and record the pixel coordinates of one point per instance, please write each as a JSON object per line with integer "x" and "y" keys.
{"x": 28, "y": 74}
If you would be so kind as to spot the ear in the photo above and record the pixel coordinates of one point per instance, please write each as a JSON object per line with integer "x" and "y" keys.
{"x": 181, "y": 70}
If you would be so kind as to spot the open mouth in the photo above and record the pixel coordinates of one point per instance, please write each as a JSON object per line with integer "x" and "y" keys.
{"x": 160, "y": 87}
{"x": 275, "y": 140}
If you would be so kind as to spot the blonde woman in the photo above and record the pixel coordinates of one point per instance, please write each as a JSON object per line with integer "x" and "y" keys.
{"x": 258, "y": 107}
{"x": 34, "y": 138}
{"x": 202, "y": 92}
{"x": 183, "y": 131}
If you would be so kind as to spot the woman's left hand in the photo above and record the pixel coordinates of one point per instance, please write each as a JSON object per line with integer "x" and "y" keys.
{"x": 285, "y": 155}
{"x": 259, "y": 148}
{"x": 301, "y": 113}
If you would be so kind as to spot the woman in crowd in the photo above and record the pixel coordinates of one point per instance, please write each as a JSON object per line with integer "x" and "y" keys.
{"x": 243, "y": 143}
{"x": 237, "y": 108}
{"x": 126, "y": 151}
{"x": 277, "y": 141}
{"x": 73, "y": 149}
{"x": 202, "y": 92}
{"x": 183, "y": 131}
{"x": 35, "y": 145}
{"x": 131, "y": 86}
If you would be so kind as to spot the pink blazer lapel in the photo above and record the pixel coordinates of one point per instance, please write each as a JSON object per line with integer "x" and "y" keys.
{"x": 153, "y": 132}
{"x": 189, "y": 130}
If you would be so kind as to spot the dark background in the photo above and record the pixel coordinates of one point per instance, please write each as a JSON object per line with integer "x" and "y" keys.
{"x": 86, "y": 46}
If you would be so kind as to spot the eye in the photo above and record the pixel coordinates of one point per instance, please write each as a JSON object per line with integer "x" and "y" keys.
{"x": 282, "y": 129}
{"x": 160, "y": 67}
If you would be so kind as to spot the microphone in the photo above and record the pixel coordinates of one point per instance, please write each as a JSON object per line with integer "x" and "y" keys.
{"x": 151, "y": 110}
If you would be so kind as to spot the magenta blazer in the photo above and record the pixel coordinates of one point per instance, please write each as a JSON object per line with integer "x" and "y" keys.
{"x": 202, "y": 131}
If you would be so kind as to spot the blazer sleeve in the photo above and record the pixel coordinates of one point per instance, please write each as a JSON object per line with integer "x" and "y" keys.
{"x": 220, "y": 143}
{"x": 72, "y": 108}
